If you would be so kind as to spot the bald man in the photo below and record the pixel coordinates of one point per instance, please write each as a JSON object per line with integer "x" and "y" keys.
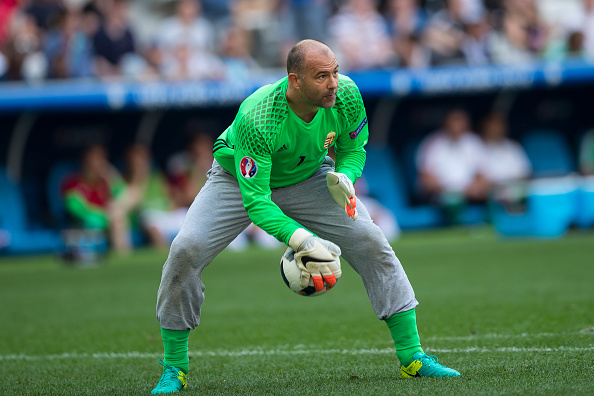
{"x": 271, "y": 168}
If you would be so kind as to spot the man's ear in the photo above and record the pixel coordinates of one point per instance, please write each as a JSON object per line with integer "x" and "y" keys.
{"x": 294, "y": 80}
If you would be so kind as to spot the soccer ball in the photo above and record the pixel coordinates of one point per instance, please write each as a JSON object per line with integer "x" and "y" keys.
{"x": 292, "y": 275}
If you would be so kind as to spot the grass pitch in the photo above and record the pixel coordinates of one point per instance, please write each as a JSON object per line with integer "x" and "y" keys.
{"x": 514, "y": 317}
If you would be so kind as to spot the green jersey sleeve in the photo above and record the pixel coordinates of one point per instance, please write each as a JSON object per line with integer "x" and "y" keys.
{"x": 254, "y": 145}
{"x": 350, "y": 144}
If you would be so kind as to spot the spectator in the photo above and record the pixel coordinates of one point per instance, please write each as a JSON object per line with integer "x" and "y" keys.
{"x": 472, "y": 11}
{"x": 406, "y": 22}
{"x": 25, "y": 59}
{"x": 476, "y": 43}
{"x": 95, "y": 197}
{"x": 45, "y": 12}
{"x": 522, "y": 35}
{"x": 235, "y": 51}
{"x": 450, "y": 163}
{"x": 186, "y": 41}
{"x": 217, "y": 9}
{"x": 149, "y": 199}
{"x": 583, "y": 21}
{"x": 505, "y": 160}
{"x": 526, "y": 14}
{"x": 405, "y": 17}
{"x": 361, "y": 36}
{"x": 445, "y": 34}
{"x": 587, "y": 153}
{"x": 113, "y": 41}
{"x": 261, "y": 19}
{"x": 8, "y": 8}
{"x": 91, "y": 19}
{"x": 510, "y": 43}
{"x": 67, "y": 48}
{"x": 571, "y": 48}
{"x": 187, "y": 170}
{"x": 588, "y": 27}
{"x": 306, "y": 19}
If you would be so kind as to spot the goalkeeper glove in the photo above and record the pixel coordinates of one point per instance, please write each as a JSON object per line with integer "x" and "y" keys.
{"x": 343, "y": 192}
{"x": 317, "y": 258}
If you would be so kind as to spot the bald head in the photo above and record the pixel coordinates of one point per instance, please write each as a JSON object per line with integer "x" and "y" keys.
{"x": 297, "y": 57}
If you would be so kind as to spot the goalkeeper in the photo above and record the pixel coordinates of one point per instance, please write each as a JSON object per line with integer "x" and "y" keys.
{"x": 271, "y": 168}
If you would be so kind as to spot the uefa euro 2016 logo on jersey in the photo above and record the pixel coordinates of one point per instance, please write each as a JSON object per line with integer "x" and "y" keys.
{"x": 248, "y": 167}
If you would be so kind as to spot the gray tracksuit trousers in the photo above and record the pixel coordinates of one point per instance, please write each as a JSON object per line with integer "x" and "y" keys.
{"x": 217, "y": 216}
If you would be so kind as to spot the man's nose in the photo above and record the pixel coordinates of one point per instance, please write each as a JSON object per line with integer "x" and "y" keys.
{"x": 333, "y": 82}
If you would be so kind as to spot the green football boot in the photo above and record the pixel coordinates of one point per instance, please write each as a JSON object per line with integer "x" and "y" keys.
{"x": 426, "y": 366}
{"x": 172, "y": 380}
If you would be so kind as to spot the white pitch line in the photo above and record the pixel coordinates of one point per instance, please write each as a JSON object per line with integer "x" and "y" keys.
{"x": 491, "y": 336}
{"x": 281, "y": 352}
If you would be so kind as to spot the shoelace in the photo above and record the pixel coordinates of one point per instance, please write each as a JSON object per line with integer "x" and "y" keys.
{"x": 169, "y": 379}
{"x": 433, "y": 359}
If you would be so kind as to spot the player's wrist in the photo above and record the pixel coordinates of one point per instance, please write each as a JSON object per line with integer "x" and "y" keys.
{"x": 349, "y": 174}
{"x": 298, "y": 237}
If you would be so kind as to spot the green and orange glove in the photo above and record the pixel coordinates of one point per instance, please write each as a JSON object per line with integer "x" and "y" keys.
{"x": 317, "y": 258}
{"x": 343, "y": 192}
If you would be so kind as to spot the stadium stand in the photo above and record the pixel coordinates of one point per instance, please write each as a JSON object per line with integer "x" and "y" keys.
{"x": 485, "y": 70}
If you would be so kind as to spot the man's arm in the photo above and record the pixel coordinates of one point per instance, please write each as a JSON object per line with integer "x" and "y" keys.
{"x": 256, "y": 195}
{"x": 253, "y": 164}
{"x": 350, "y": 152}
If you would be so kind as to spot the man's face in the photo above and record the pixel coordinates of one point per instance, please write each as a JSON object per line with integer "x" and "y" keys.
{"x": 495, "y": 129}
{"x": 320, "y": 82}
{"x": 95, "y": 160}
{"x": 456, "y": 124}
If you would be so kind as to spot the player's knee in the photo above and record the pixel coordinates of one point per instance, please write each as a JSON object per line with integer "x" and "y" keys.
{"x": 374, "y": 243}
{"x": 184, "y": 249}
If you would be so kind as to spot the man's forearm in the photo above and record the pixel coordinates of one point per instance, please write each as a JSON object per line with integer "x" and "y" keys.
{"x": 351, "y": 163}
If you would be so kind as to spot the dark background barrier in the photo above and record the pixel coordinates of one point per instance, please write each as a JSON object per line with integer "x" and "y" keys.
{"x": 51, "y": 126}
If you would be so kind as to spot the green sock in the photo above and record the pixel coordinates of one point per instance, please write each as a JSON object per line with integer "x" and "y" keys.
{"x": 175, "y": 346}
{"x": 403, "y": 327}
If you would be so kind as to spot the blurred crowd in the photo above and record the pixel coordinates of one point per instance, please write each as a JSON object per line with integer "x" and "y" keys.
{"x": 229, "y": 39}
{"x": 138, "y": 202}
{"x": 458, "y": 165}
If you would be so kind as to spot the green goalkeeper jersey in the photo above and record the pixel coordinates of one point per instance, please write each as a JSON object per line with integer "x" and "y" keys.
{"x": 268, "y": 146}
